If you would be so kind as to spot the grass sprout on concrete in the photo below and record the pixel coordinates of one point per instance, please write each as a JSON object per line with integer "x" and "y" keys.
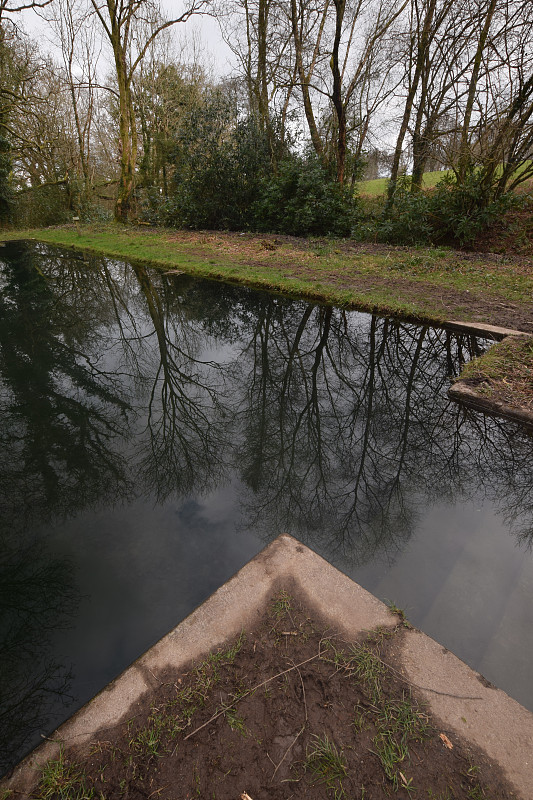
{"x": 326, "y": 763}
{"x": 399, "y": 613}
{"x": 63, "y": 780}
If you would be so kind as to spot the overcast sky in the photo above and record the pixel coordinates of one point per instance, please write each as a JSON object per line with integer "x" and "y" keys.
{"x": 216, "y": 55}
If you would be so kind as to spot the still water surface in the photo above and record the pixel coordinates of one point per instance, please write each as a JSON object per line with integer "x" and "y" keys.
{"x": 157, "y": 431}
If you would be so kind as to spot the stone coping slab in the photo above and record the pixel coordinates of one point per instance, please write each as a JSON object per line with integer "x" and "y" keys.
{"x": 463, "y": 392}
{"x": 458, "y": 696}
{"x": 483, "y": 329}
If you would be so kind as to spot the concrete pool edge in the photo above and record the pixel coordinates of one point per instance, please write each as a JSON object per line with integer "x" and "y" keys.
{"x": 458, "y": 696}
{"x": 461, "y": 391}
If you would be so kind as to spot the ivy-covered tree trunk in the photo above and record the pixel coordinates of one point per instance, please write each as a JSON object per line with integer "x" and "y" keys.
{"x": 128, "y": 146}
{"x": 5, "y": 170}
{"x": 118, "y": 19}
{"x": 5, "y": 147}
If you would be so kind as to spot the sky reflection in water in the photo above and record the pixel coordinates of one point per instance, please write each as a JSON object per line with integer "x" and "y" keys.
{"x": 157, "y": 431}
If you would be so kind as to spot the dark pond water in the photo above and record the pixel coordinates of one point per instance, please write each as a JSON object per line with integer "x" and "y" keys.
{"x": 158, "y": 431}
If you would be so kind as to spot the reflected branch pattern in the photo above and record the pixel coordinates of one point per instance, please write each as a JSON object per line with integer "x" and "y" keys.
{"x": 117, "y": 382}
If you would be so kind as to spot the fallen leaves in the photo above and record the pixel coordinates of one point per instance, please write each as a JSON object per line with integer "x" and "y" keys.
{"x": 446, "y": 741}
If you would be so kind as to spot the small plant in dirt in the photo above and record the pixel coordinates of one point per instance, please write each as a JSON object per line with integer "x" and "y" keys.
{"x": 326, "y": 763}
{"x": 147, "y": 740}
{"x": 281, "y": 605}
{"x": 235, "y": 721}
{"x": 367, "y": 668}
{"x": 398, "y": 723}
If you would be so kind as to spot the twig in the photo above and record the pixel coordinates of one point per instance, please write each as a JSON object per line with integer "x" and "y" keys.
{"x": 299, "y": 732}
{"x": 250, "y": 691}
{"x": 347, "y": 668}
{"x": 302, "y": 729}
{"x": 427, "y": 688}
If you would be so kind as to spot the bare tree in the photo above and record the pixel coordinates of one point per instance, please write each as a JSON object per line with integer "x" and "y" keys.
{"x": 257, "y": 33}
{"x": 80, "y": 55}
{"x": 424, "y": 21}
{"x": 349, "y": 73}
{"x": 497, "y": 132}
{"x": 122, "y": 22}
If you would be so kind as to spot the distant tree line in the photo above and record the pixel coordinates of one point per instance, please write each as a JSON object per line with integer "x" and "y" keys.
{"x": 321, "y": 91}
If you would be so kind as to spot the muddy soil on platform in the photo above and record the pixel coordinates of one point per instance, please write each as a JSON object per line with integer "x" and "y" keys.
{"x": 289, "y": 710}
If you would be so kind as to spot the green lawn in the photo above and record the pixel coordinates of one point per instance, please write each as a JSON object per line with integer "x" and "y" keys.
{"x": 378, "y": 187}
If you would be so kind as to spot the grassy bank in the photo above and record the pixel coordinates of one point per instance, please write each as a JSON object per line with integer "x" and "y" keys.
{"x": 429, "y": 284}
{"x": 433, "y": 285}
{"x": 378, "y": 186}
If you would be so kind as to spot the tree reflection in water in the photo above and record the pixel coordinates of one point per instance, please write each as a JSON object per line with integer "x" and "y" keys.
{"x": 119, "y": 383}
{"x": 58, "y": 422}
{"x": 348, "y": 432}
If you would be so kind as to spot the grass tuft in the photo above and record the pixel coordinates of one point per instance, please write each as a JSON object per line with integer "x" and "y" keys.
{"x": 63, "y": 780}
{"x": 326, "y": 763}
{"x": 281, "y": 605}
{"x": 367, "y": 668}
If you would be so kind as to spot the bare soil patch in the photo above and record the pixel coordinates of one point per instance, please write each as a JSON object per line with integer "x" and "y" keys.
{"x": 289, "y": 710}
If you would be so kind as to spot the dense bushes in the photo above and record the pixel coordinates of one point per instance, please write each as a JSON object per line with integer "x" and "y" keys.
{"x": 406, "y": 222}
{"x": 227, "y": 172}
{"x": 231, "y": 174}
{"x": 461, "y": 211}
{"x": 301, "y": 199}
{"x": 455, "y": 213}
{"x": 219, "y": 163}
{"x": 40, "y": 207}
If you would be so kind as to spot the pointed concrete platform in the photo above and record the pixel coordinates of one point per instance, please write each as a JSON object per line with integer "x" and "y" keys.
{"x": 457, "y": 695}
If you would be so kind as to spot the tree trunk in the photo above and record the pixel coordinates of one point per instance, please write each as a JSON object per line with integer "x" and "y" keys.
{"x": 336, "y": 96}
{"x": 127, "y": 137}
{"x": 422, "y": 44}
{"x": 305, "y": 79}
{"x": 464, "y": 156}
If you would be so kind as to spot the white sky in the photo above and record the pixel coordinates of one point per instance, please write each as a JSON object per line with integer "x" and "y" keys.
{"x": 215, "y": 54}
